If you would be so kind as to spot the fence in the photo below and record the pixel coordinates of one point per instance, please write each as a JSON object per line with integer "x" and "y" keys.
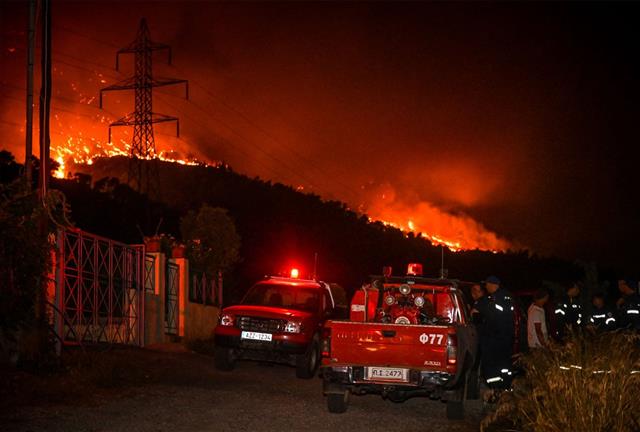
{"x": 98, "y": 294}
{"x": 205, "y": 288}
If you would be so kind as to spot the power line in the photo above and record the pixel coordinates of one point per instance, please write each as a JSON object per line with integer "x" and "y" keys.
{"x": 271, "y": 137}
{"x": 355, "y": 194}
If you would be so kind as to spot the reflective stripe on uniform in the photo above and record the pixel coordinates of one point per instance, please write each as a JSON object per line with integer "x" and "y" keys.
{"x": 610, "y": 319}
{"x": 600, "y": 316}
{"x": 560, "y": 311}
{"x": 494, "y": 379}
{"x": 633, "y": 311}
{"x": 500, "y": 308}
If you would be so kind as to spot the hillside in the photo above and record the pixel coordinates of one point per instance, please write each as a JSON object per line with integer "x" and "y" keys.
{"x": 281, "y": 227}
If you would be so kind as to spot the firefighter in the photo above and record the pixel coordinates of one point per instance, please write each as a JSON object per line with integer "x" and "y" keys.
{"x": 628, "y": 305}
{"x": 568, "y": 312}
{"x": 601, "y": 317}
{"x": 498, "y": 328}
{"x": 479, "y": 297}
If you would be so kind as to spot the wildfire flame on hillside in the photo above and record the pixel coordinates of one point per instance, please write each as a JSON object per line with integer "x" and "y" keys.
{"x": 455, "y": 231}
{"x": 73, "y": 143}
{"x": 79, "y": 153}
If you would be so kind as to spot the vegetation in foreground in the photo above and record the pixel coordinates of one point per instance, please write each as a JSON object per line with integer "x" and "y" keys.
{"x": 590, "y": 385}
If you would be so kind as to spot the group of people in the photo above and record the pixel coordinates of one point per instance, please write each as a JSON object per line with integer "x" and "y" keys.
{"x": 505, "y": 330}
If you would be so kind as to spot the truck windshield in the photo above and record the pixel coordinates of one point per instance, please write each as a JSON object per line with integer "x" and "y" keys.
{"x": 284, "y": 296}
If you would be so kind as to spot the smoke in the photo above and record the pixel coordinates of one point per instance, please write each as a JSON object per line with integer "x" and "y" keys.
{"x": 471, "y": 115}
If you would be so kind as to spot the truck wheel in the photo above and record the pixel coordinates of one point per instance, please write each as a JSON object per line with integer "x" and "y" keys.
{"x": 337, "y": 403}
{"x": 223, "y": 359}
{"x": 473, "y": 384}
{"x": 307, "y": 363}
{"x": 455, "y": 410}
{"x": 455, "y": 405}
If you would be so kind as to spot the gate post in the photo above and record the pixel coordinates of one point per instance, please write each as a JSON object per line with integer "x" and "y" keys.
{"x": 183, "y": 292}
{"x": 58, "y": 318}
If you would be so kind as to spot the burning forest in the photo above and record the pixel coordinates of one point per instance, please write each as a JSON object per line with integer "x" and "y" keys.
{"x": 465, "y": 159}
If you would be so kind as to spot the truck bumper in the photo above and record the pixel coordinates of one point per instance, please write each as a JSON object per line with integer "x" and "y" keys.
{"x": 277, "y": 350}
{"x": 337, "y": 379}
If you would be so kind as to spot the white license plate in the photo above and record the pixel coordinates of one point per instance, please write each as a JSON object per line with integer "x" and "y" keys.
{"x": 256, "y": 336}
{"x": 387, "y": 374}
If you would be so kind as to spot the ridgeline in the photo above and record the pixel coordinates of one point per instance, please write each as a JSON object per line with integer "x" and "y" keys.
{"x": 281, "y": 227}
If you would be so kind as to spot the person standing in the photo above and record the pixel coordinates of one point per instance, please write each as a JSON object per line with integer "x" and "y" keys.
{"x": 628, "y": 305}
{"x": 537, "y": 332}
{"x": 568, "y": 312}
{"x": 601, "y": 317}
{"x": 479, "y": 297}
{"x": 497, "y": 345}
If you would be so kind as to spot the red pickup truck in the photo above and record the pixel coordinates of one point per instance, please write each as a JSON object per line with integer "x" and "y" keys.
{"x": 279, "y": 320}
{"x": 407, "y": 336}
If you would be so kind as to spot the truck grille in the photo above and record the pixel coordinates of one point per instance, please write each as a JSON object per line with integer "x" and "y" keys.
{"x": 261, "y": 324}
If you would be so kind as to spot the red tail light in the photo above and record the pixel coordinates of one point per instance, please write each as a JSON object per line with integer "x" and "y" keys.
{"x": 452, "y": 349}
{"x": 326, "y": 342}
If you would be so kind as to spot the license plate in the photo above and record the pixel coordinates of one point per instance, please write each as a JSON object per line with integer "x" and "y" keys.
{"x": 387, "y": 374}
{"x": 256, "y": 336}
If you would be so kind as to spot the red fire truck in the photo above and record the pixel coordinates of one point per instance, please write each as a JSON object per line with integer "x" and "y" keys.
{"x": 280, "y": 319}
{"x": 407, "y": 336}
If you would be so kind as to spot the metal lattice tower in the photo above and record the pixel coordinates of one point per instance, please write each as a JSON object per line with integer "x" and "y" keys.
{"x": 142, "y": 119}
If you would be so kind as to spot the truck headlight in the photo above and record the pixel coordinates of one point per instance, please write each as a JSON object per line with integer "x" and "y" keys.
{"x": 226, "y": 320}
{"x": 293, "y": 327}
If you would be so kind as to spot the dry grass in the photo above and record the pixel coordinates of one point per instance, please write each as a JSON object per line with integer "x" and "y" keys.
{"x": 591, "y": 384}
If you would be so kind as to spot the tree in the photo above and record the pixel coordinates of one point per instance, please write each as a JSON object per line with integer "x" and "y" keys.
{"x": 213, "y": 244}
{"x": 24, "y": 260}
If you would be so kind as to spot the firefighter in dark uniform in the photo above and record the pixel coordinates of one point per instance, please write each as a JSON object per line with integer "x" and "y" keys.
{"x": 569, "y": 312}
{"x": 498, "y": 329}
{"x": 479, "y": 297}
{"x": 602, "y": 317}
{"x": 629, "y": 305}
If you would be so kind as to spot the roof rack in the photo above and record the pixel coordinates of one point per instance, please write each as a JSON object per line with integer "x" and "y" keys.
{"x": 285, "y": 278}
{"x": 416, "y": 279}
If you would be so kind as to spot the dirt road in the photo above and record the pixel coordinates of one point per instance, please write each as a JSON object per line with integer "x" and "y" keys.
{"x": 183, "y": 392}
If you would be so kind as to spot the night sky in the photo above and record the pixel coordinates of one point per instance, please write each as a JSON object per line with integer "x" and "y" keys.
{"x": 521, "y": 116}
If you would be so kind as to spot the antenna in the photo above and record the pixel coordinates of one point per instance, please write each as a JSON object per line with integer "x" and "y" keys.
{"x": 315, "y": 265}
{"x": 443, "y": 271}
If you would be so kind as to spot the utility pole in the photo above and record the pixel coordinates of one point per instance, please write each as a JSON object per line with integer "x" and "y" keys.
{"x": 45, "y": 142}
{"x": 31, "y": 46}
{"x": 45, "y": 99}
{"x": 142, "y": 118}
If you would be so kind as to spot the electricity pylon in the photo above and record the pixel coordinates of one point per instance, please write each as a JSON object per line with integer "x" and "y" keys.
{"x": 143, "y": 176}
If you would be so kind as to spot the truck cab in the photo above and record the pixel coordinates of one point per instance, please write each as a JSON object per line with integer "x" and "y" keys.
{"x": 280, "y": 320}
{"x": 407, "y": 336}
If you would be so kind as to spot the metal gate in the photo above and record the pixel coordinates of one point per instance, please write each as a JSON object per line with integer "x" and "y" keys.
{"x": 171, "y": 299}
{"x": 99, "y": 290}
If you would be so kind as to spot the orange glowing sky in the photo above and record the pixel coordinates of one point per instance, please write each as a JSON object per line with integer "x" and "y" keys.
{"x": 490, "y": 123}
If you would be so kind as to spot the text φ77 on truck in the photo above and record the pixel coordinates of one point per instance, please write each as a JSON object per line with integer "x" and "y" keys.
{"x": 407, "y": 336}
